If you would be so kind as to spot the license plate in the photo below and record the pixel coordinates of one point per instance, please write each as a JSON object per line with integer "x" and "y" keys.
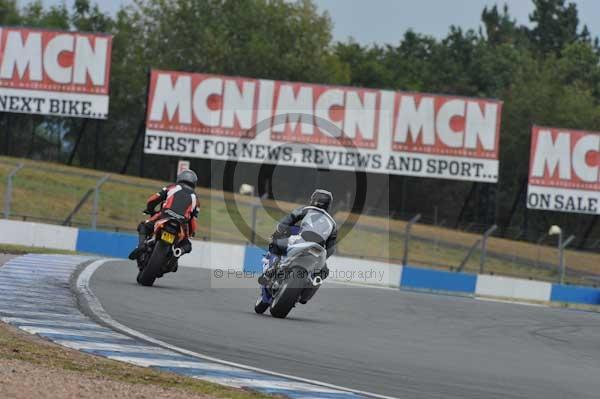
{"x": 167, "y": 237}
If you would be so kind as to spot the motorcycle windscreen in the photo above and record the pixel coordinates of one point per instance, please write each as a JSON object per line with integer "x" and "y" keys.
{"x": 317, "y": 223}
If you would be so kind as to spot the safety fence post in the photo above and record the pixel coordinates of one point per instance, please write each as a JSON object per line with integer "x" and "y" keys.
{"x": 412, "y": 221}
{"x": 561, "y": 247}
{"x": 436, "y": 244}
{"x": 9, "y": 187}
{"x": 99, "y": 183}
{"x": 484, "y": 246}
{"x": 469, "y": 253}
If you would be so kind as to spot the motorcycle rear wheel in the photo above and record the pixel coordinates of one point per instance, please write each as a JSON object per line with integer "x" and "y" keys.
{"x": 154, "y": 267}
{"x": 288, "y": 294}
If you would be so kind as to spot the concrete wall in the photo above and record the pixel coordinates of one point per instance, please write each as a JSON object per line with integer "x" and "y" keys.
{"x": 117, "y": 245}
{"x": 436, "y": 280}
{"x": 213, "y": 255}
{"x": 38, "y": 235}
{"x": 506, "y": 287}
{"x": 574, "y": 294}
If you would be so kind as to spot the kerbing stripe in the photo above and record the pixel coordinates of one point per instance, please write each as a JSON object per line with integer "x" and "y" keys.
{"x": 117, "y": 340}
{"x": 209, "y": 373}
{"x": 81, "y": 345}
{"x": 80, "y": 327}
{"x": 49, "y": 331}
{"x": 139, "y": 355}
{"x": 44, "y": 315}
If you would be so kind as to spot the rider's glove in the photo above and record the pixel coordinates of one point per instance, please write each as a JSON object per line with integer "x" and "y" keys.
{"x": 282, "y": 231}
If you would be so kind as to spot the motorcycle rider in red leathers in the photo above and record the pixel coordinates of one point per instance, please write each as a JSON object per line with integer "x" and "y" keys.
{"x": 179, "y": 198}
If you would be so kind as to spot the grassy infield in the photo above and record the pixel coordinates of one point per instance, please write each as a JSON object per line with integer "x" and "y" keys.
{"x": 42, "y": 192}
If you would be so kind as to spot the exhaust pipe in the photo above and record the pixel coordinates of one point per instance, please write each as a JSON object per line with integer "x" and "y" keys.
{"x": 177, "y": 252}
{"x": 317, "y": 280}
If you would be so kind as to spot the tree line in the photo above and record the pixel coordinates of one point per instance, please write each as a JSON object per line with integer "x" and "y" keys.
{"x": 546, "y": 72}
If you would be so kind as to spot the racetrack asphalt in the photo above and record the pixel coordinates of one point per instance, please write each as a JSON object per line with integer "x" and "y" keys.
{"x": 389, "y": 342}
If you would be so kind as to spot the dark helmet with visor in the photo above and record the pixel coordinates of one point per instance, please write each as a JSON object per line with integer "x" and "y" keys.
{"x": 321, "y": 199}
{"x": 187, "y": 177}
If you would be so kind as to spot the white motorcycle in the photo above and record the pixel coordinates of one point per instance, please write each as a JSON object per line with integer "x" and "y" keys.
{"x": 296, "y": 278}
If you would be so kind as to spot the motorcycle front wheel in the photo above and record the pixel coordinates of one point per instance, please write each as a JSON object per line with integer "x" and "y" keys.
{"x": 261, "y": 307}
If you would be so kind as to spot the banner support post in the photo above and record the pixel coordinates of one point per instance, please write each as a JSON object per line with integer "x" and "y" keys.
{"x": 96, "y": 141}
{"x": 588, "y": 231}
{"x": 141, "y": 132}
{"x": 77, "y": 141}
{"x": 464, "y": 206}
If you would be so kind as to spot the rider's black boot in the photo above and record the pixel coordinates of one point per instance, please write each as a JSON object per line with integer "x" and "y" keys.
{"x": 141, "y": 239}
{"x": 133, "y": 255}
{"x": 266, "y": 276}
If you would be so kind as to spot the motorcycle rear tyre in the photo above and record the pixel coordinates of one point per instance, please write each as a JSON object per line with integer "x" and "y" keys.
{"x": 288, "y": 294}
{"x": 154, "y": 267}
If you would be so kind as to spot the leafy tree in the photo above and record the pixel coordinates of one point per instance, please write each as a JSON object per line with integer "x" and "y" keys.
{"x": 9, "y": 12}
{"x": 34, "y": 15}
{"x": 500, "y": 28}
{"x": 556, "y": 25}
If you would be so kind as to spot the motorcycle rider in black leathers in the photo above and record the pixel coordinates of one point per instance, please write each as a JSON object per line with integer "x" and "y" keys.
{"x": 320, "y": 202}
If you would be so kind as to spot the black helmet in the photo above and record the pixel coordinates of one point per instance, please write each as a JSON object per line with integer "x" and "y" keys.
{"x": 187, "y": 177}
{"x": 321, "y": 199}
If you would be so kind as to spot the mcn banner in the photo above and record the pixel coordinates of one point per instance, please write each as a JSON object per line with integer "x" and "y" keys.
{"x": 54, "y": 73}
{"x": 307, "y": 125}
{"x": 563, "y": 171}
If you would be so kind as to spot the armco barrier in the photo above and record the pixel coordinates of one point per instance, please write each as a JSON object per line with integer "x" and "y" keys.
{"x": 212, "y": 255}
{"x": 506, "y": 287}
{"x": 574, "y": 294}
{"x": 437, "y": 281}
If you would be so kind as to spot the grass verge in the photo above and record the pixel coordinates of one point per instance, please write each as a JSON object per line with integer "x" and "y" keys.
{"x": 16, "y": 345}
{"x": 22, "y": 250}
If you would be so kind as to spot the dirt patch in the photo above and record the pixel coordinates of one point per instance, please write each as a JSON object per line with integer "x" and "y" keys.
{"x": 22, "y": 380}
